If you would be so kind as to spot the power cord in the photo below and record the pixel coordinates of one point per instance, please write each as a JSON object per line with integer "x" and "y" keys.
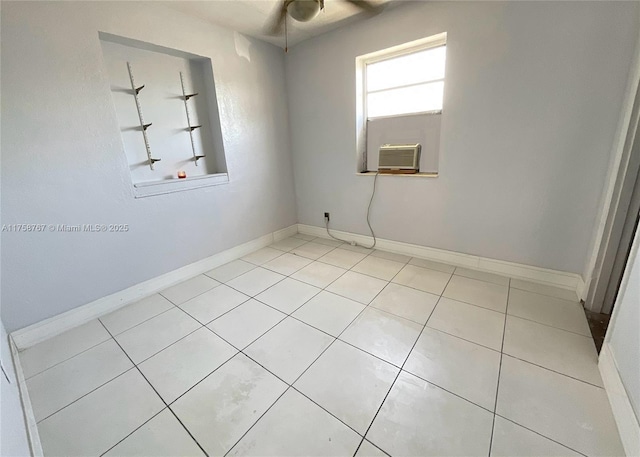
{"x": 373, "y": 193}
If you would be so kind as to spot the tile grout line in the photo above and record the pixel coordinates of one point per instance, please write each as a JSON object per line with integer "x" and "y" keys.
{"x": 539, "y": 434}
{"x": 408, "y": 262}
{"x": 554, "y": 371}
{"x": 447, "y": 390}
{"x": 576, "y": 302}
{"x": 290, "y": 386}
{"x": 139, "y": 323}
{"x": 190, "y": 298}
{"x": 204, "y": 324}
{"x": 65, "y": 360}
{"x": 509, "y": 287}
{"x": 335, "y": 338}
{"x": 314, "y": 361}
{"x": 314, "y": 285}
{"x": 468, "y": 268}
{"x": 290, "y": 315}
{"x": 401, "y": 368}
{"x": 111, "y": 338}
{"x": 84, "y": 395}
{"x": 241, "y": 350}
{"x": 259, "y": 418}
{"x": 169, "y": 345}
{"x": 207, "y": 375}
{"x": 120, "y": 333}
{"x": 374, "y": 445}
{"x": 495, "y": 403}
{"x": 291, "y": 276}
{"x": 550, "y": 326}
{"x": 463, "y": 339}
{"x": 475, "y": 304}
{"x": 159, "y": 396}
{"x": 136, "y": 429}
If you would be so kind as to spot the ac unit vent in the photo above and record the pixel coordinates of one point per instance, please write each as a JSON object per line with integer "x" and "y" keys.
{"x": 399, "y": 158}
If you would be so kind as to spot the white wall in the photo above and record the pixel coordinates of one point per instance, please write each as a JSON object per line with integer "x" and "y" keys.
{"x": 63, "y": 162}
{"x": 532, "y": 98}
{"x": 623, "y": 334}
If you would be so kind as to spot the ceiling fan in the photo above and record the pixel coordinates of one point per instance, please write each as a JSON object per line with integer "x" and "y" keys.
{"x": 305, "y": 10}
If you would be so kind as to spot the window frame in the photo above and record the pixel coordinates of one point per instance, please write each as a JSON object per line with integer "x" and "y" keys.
{"x": 362, "y": 61}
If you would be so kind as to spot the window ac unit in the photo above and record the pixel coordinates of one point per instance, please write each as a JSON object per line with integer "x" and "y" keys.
{"x": 399, "y": 158}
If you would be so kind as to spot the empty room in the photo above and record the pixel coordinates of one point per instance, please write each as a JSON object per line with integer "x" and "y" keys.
{"x": 358, "y": 228}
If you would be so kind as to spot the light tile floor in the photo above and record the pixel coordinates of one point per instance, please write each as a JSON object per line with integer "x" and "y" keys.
{"x": 310, "y": 347}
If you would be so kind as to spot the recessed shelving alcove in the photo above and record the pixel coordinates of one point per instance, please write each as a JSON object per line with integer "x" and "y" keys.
{"x": 167, "y": 110}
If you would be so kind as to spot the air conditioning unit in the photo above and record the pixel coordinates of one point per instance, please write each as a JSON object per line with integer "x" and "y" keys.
{"x": 399, "y": 158}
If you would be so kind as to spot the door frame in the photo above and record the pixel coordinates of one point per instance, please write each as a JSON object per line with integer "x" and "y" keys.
{"x": 618, "y": 213}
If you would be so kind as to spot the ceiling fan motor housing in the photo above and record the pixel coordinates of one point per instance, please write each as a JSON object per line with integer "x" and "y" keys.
{"x": 303, "y": 10}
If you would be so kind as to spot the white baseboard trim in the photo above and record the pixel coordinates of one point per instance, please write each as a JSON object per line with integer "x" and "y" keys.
{"x": 285, "y": 232}
{"x": 582, "y": 289}
{"x": 55, "y": 325}
{"x": 565, "y": 280}
{"x": 29, "y": 417}
{"x": 627, "y": 422}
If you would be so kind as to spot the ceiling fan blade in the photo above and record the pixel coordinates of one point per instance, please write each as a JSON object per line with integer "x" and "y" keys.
{"x": 275, "y": 26}
{"x": 367, "y": 6}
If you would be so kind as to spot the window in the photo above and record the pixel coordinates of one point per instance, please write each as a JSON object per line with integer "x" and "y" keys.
{"x": 410, "y": 83}
{"x": 400, "y": 94}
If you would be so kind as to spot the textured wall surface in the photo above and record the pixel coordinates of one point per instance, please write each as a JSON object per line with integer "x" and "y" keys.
{"x": 63, "y": 160}
{"x": 533, "y": 95}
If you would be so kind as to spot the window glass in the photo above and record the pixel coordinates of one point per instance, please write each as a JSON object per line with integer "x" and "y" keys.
{"x": 417, "y": 67}
{"x": 406, "y": 100}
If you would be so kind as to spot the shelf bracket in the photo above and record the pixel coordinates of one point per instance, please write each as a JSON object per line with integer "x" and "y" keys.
{"x": 190, "y": 127}
{"x": 143, "y": 126}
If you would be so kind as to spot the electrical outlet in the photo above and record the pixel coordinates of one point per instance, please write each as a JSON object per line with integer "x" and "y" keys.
{"x": 326, "y": 217}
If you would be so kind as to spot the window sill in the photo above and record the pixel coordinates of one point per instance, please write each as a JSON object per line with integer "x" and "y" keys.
{"x": 401, "y": 175}
{"x": 167, "y": 186}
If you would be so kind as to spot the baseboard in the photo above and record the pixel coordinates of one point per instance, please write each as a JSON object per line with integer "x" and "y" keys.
{"x": 565, "y": 280}
{"x": 285, "y": 232}
{"x": 55, "y": 325}
{"x": 582, "y": 289}
{"x": 30, "y": 418}
{"x": 627, "y": 422}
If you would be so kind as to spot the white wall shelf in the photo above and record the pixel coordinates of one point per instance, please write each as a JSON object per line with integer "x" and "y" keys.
{"x": 401, "y": 175}
{"x": 186, "y": 135}
{"x": 167, "y": 186}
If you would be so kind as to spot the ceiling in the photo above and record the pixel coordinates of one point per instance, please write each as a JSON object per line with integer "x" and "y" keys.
{"x": 251, "y": 16}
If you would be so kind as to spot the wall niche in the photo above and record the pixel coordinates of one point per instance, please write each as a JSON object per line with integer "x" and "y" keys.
{"x": 167, "y": 110}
